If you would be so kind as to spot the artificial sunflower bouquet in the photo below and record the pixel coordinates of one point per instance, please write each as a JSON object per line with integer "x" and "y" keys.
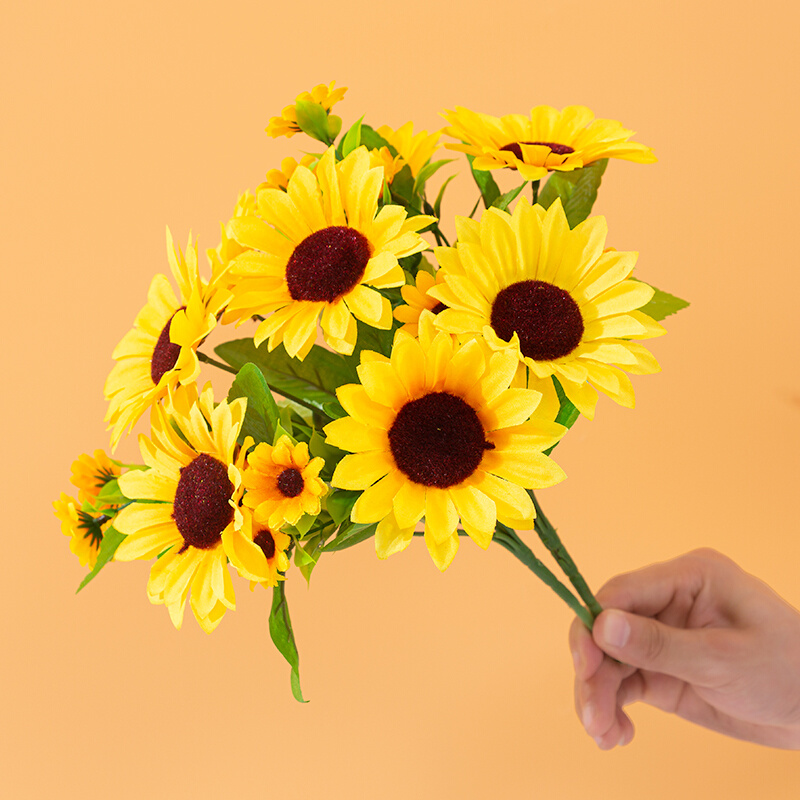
{"x": 446, "y": 374}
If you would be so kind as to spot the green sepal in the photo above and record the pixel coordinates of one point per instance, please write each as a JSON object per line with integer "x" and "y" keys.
{"x": 262, "y": 415}
{"x": 505, "y": 200}
{"x": 437, "y": 206}
{"x": 577, "y": 190}
{"x": 662, "y": 304}
{"x": 567, "y": 413}
{"x": 112, "y": 539}
{"x": 387, "y": 195}
{"x": 280, "y": 629}
{"x": 312, "y": 119}
{"x": 483, "y": 177}
{"x": 352, "y": 138}
{"x": 427, "y": 171}
{"x": 350, "y": 534}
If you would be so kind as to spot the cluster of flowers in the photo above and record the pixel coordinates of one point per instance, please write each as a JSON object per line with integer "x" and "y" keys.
{"x": 441, "y": 389}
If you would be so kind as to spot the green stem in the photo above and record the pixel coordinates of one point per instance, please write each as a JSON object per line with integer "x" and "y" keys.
{"x": 507, "y": 537}
{"x": 214, "y": 363}
{"x": 535, "y": 192}
{"x": 550, "y": 539}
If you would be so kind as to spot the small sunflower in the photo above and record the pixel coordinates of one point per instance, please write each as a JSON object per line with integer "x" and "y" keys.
{"x": 91, "y": 473}
{"x": 317, "y": 249}
{"x": 259, "y": 554}
{"x": 85, "y": 530}
{"x": 187, "y": 505}
{"x": 382, "y": 157}
{"x": 159, "y": 354}
{"x": 416, "y": 150}
{"x": 417, "y": 300}
{"x": 279, "y": 178}
{"x": 435, "y": 431}
{"x": 547, "y": 140}
{"x": 551, "y": 296}
{"x": 322, "y": 95}
{"x": 282, "y": 482}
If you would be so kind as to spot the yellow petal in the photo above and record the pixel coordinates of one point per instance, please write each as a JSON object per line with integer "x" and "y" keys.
{"x": 442, "y": 552}
{"x": 376, "y": 501}
{"x": 390, "y": 538}
{"x": 409, "y": 504}
{"x": 441, "y": 517}
{"x": 360, "y": 470}
{"x": 477, "y": 511}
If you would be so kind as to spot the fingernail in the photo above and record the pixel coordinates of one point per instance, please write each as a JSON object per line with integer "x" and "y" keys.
{"x": 588, "y": 715}
{"x": 616, "y": 629}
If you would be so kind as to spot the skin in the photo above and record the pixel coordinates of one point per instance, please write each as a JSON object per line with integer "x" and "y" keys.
{"x": 698, "y": 637}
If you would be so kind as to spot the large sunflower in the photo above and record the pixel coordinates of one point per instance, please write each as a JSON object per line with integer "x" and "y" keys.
{"x": 435, "y": 431}
{"x": 553, "y": 297}
{"x": 317, "y": 248}
{"x": 547, "y": 140}
{"x": 187, "y": 505}
{"x": 159, "y": 353}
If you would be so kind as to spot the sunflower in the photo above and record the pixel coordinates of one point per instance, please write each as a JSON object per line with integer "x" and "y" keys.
{"x": 382, "y": 157}
{"x": 322, "y": 95}
{"x": 548, "y": 140}
{"x": 417, "y": 300}
{"x": 552, "y": 297}
{"x": 85, "y": 530}
{"x": 435, "y": 431}
{"x": 159, "y": 353}
{"x": 319, "y": 248}
{"x": 91, "y": 473}
{"x": 259, "y": 553}
{"x": 416, "y": 150}
{"x": 186, "y": 505}
{"x": 279, "y": 178}
{"x": 282, "y": 482}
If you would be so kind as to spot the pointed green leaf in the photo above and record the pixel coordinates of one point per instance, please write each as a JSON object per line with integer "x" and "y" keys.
{"x": 437, "y": 206}
{"x": 111, "y": 541}
{"x": 403, "y": 187}
{"x": 110, "y": 495}
{"x": 485, "y": 181}
{"x": 331, "y": 455}
{"x": 339, "y": 503}
{"x": 663, "y": 304}
{"x": 280, "y": 629}
{"x": 373, "y": 140}
{"x": 312, "y": 120}
{"x": 307, "y": 556}
{"x": 506, "y": 199}
{"x": 352, "y": 138}
{"x": 427, "y": 171}
{"x": 577, "y": 190}
{"x": 261, "y": 417}
{"x": 350, "y": 534}
{"x": 567, "y": 414}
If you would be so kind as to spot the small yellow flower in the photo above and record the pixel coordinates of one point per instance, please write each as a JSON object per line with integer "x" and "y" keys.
{"x": 279, "y": 178}
{"x": 85, "y": 531}
{"x": 286, "y": 123}
{"x": 416, "y": 149}
{"x": 259, "y": 554}
{"x": 91, "y": 473}
{"x": 382, "y": 157}
{"x": 418, "y": 300}
{"x": 282, "y": 482}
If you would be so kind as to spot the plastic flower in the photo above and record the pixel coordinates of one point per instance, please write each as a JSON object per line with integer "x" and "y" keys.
{"x": 187, "y": 506}
{"x": 286, "y": 124}
{"x": 85, "y": 530}
{"x": 416, "y": 150}
{"x": 279, "y": 178}
{"x": 551, "y": 296}
{"x": 417, "y": 300}
{"x": 159, "y": 354}
{"x": 91, "y": 473}
{"x": 435, "y": 431}
{"x": 321, "y": 249}
{"x": 259, "y": 554}
{"x": 382, "y": 157}
{"x": 282, "y": 482}
{"x": 547, "y": 140}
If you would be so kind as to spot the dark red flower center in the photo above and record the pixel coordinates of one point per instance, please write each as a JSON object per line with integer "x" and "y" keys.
{"x": 290, "y": 482}
{"x": 165, "y": 354}
{"x": 437, "y": 440}
{"x": 438, "y": 308}
{"x": 546, "y": 319}
{"x": 265, "y": 540}
{"x": 558, "y": 149}
{"x": 327, "y": 264}
{"x": 201, "y": 508}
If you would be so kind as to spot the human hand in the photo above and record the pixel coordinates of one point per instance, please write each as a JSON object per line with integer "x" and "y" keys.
{"x": 698, "y": 637}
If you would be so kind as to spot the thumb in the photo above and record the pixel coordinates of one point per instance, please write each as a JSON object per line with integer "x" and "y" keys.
{"x": 649, "y": 644}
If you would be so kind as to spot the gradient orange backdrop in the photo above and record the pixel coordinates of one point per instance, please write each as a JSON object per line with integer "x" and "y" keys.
{"x": 121, "y": 118}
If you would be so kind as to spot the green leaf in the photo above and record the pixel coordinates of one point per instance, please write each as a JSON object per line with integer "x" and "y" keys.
{"x": 307, "y": 556}
{"x": 403, "y": 186}
{"x": 437, "y": 206}
{"x": 485, "y": 181}
{"x": 577, "y": 190}
{"x": 334, "y": 125}
{"x": 387, "y": 195}
{"x": 311, "y": 382}
{"x": 370, "y": 338}
{"x": 427, "y": 171}
{"x": 280, "y": 629}
{"x": 662, "y": 305}
{"x": 111, "y": 495}
{"x": 506, "y": 199}
{"x": 567, "y": 413}
{"x": 111, "y": 541}
{"x": 352, "y": 138}
{"x": 340, "y": 503}
{"x": 261, "y": 417}
{"x": 350, "y": 534}
{"x": 331, "y": 455}
{"x": 312, "y": 119}
{"x": 373, "y": 140}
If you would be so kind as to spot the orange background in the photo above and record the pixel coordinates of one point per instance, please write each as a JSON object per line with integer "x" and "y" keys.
{"x": 120, "y": 118}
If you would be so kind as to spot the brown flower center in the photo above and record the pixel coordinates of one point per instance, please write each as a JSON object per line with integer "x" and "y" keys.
{"x": 165, "y": 353}
{"x": 438, "y": 308}
{"x": 546, "y": 319}
{"x": 201, "y": 508}
{"x": 327, "y": 264}
{"x": 290, "y": 482}
{"x": 437, "y": 440}
{"x": 265, "y": 540}
{"x": 558, "y": 149}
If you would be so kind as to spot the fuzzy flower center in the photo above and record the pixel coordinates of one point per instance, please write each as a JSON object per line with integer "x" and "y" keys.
{"x": 437, "y": 440}
{"x": 290, "y": 482}
{"x": 165, "y": 353}
{"x": 265, "y": 540}
{"x": 558, "y": 149}
{"x": 546, "y": 319}
{"x": 327, "y": 264}
{"x": 201, "y": 508}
